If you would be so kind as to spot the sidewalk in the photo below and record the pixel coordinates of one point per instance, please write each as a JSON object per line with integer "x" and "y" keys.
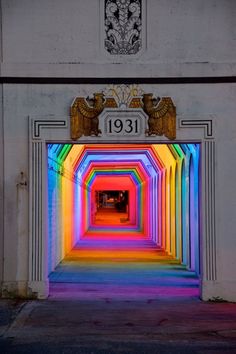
{"x": 184, "y": 325}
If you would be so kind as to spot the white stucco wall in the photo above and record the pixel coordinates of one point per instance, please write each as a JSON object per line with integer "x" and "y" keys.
{"x": 65, "y": 38}
{"x": 57, "y": 38}
{"x": 42, "y": 101}
{"x": 58, "y": 31}
{"x": 1, "y": 188}
{"x": 1, "y": 165}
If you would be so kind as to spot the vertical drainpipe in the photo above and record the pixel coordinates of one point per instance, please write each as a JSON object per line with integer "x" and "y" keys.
{"x": 22, "y": 236}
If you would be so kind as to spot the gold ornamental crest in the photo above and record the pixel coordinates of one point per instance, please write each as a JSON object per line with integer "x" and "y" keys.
{"x": 161, "y": 112}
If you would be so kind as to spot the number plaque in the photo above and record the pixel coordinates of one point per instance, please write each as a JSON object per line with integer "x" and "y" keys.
{"x": 123, "y": 125}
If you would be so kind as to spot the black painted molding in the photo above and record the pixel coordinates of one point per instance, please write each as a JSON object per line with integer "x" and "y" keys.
{"x": 116, "y": 80}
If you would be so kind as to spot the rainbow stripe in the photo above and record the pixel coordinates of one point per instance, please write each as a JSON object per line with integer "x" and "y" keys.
{"x": 163, "y": 185}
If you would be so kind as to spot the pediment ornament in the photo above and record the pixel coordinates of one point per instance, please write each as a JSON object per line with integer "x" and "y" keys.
{"x": 85, "y": 112}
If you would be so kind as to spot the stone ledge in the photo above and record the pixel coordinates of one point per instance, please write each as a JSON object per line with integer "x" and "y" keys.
{"x": 118, "y": 70}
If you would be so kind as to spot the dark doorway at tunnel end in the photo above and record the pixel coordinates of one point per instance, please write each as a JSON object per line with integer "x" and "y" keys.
{"x": 111, "y": 206}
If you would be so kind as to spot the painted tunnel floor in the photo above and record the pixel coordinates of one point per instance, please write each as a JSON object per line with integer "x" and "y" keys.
{"x": 121, "y": 269}
{"x": 106, "y": 216}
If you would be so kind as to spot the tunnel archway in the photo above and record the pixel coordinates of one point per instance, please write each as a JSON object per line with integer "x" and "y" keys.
{"x": 163, "y": 183}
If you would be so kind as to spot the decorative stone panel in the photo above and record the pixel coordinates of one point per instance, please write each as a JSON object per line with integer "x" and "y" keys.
{"x": 123, "y": 23}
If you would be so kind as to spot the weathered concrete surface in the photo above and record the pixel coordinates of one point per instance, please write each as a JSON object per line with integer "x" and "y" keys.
{"x": 116, "y": 305}
{"x": 8, "y": 312}
{"x": 113, "y": 326}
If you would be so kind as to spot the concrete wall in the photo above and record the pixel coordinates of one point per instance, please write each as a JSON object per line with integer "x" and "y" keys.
{"x": 216, "y": 100}
{"x": 1, "y": 186}
{"x": 58, "y": 31}
{"x": 56, "y": 38}
{"x": 1, "y": 160}
{"x": 66, "y": 38}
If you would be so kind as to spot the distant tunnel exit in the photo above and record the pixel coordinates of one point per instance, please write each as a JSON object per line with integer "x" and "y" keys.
{"x": 111, "y": 207}
{"x": 124, "y": 191}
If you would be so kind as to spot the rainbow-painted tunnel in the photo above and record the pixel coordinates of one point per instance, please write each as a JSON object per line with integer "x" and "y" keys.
{"x": 161, "y": 185}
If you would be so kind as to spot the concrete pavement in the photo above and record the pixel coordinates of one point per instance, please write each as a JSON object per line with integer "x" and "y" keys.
{"x": 123, "y": 300}
{"x": 118, "y": 326}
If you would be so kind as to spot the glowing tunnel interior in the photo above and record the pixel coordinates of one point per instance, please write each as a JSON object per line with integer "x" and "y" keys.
{"x": 161, "y": 185}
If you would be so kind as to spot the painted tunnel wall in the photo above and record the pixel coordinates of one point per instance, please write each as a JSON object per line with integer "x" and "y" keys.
{"x": 163, "y": 180}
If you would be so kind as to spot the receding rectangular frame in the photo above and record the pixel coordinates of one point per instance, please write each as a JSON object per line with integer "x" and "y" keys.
{"x": 57, "y": 130}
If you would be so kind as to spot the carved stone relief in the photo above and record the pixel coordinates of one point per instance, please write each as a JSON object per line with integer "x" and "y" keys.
{"x": 84, "y": 115}
{"x": 123, "y": 26}
{"x": 161, "y": 113}
{"x": 161, "y": 116}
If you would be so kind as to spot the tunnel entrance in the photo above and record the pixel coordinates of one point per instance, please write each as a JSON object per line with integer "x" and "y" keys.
{"x": 111, "y": 207}
{"x": 123, "y": 219}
